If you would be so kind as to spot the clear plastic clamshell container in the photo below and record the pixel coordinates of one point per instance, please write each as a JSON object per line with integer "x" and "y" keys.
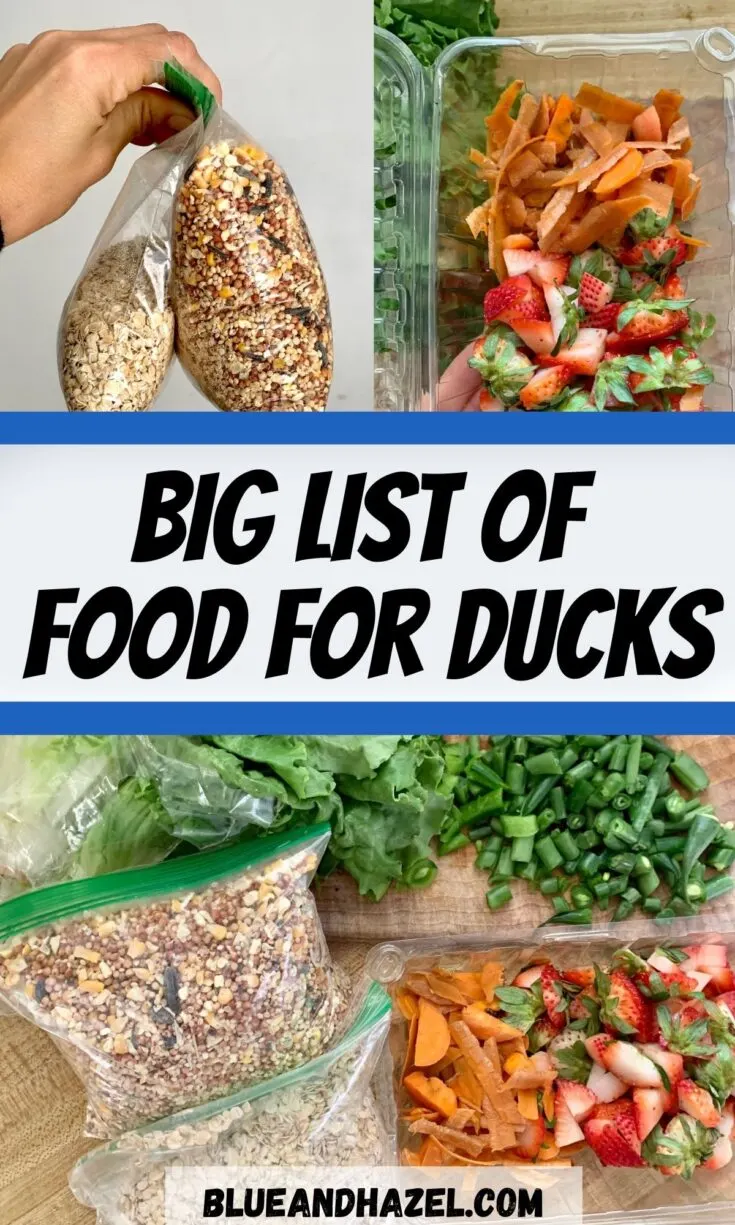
{"x": 612, "y": 1196}
{"x": 700, "y": 63}
{"x": 401, "y": 165}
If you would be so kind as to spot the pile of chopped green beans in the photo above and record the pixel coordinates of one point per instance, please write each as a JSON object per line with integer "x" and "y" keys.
{"x": 590, "y": 820}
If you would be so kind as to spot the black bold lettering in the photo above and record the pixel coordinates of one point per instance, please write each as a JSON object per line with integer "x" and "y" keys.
{"x": 173, "y": 602}
{"x": 632, "y": 630}
{"x": 379, "y": 505}
{"x": 394, "y": 634}
{"x": 442, "y": 486}
{"x": 683, "y": 621}
{"x": 561, "y": 511}
{"x": 353, "y": 601}
{"x": 309, "y": 546}
{"x": 201, "y": 663}
{"x": 344, "y": 540}
{"x": 527, "y": 484}
{"x": 287, "y": 628}
{"x": 516, "y": 666}
{"x": 156, "y": 508}
{"x": 224, "y": 519}
{"x": 214, "y": 1202}
{"x": 461, "y": 663}
{"x": 201, "y": 517}
{"x": 572, "y": 664}
{"x": 114, "y": 602}
{"x": 44, "y": 628}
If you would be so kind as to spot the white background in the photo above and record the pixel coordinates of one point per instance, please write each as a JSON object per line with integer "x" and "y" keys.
{"x": 298, "y": 75}
{"x": 657, "y": 517}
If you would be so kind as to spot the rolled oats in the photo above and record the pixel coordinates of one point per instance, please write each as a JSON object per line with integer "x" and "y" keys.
{"x": 117, "y": 334}
{"x": 166, "y": 1019}
{"x": 252, "y": 313}
{"x": 329, "y": 1118}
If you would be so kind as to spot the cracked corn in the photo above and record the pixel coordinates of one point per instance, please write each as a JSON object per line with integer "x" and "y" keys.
{"x": 252, "y": 313}
{"x": 169, "y": 1003}
{"x": 117, "y": 336}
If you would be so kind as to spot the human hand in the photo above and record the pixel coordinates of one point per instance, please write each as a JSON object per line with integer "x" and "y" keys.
{"x": 460, "y": 388}
{"x": 69, "y": 104}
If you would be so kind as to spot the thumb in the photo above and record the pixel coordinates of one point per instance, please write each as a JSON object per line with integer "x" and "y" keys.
{"x": 147, "y": 117}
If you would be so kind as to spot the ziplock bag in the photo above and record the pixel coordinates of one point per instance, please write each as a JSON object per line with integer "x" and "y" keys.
{"x": 73, "y": 806}
{"x": 253, "y": 327}
{"x": 116, "y": 335}
{"x": 325, "y": 1113}
{"x": 170, "y": 986}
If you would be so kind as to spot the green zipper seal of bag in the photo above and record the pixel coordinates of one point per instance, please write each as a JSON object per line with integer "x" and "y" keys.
{"x": 44, "y": 906}
{"x": 184, "y": 85}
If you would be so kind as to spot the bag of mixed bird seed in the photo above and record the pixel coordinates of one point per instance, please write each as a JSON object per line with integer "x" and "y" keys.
{"x": 170, "y": 986}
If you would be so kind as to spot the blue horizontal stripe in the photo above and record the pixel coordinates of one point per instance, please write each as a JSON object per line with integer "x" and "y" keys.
{"x": 362, "y": 429}
{"x": 367, "y": 718}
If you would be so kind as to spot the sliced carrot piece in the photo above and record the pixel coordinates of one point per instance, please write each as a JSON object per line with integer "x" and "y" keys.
{"x": 658, "y": 195}
{"x": 627, "y": 169}
{"x": 407, "y": 1004}
{"x": 435, "y": 1069}
{"x": 543, "y": 118}
{"x": 521, "y": 133}
{"x": 574, "y": 209}
{"x": 413, "y": 1029}
{"x": 677, "y": 175}
{"x": 431, "y": 1092}
{"x": 562, "y": 124}
{"x": 668, "y": 103}
{"x": 523, "y": 167}
{"x": 647, "y": 125}
{"x": 528, "y": 1104}
{"x": 655, "y": 159}
{"x": 498, "y": 231}
{"x": 584, "y": 176}
{"x": 478, "y": 219}
{"x": 548, "y": 1151}
{"x": 688, "y": 204}
{"x": 610, "y": 106}
{"x": 597, "y": 135}
{"x": 679, "y": 131}
{"x": 547, "y": 1101}
{"x": 485, "y": 1026}
{"x": 452, "y": 1139}
{"x": 599, "y": 221}
{"x": 445, "y": 987}
{"x": 514, "y": 1061}
{"x": 432, "y": 1153}
{"x": 433, "y": 1038}
{"x": 499, "y": 123}
{"x": 518, "y": 242}
{"x": 618, "y": 131}
{"x": 690, "y": 241}
{"x": 410, "y": 1156}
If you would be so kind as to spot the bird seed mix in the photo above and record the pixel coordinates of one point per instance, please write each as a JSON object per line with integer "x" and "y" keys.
{"x": 252, "y": 313}
{"x": 170, "y": 1003}
{"x": 117, "y": 338}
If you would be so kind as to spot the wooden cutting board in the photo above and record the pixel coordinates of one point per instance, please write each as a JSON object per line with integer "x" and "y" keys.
{"x": 41, "y": 1102}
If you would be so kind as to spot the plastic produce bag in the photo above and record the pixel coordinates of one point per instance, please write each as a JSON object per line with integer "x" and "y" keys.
{"x": 253, "y": 327}
{"x": 75, "y": 806}
{"x": 116, "y": 336}
{"x": 174, "y": 985}
{"x": 325, "y": 1113}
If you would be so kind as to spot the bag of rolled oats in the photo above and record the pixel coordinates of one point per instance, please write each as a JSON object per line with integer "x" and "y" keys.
{"x": 174, "y": 985}
{"x": 253, "y": 327}
{"x": 334, "y": 1111}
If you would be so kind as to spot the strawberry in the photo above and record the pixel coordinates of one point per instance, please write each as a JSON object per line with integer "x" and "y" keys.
{"x": 691, "y": 401}
{"x": 596, "y": 1046}
{"x": 650, "y": 1105}
{"x": 679, "y": 979}
{"x": 721, "y": 1155}
{"x": 659, "y": 961}
{"x": 631, "y": 1066}
{"x": 551, "y": 987}
{"x": 639, "y": 280}
{"x": 697, "y": 1102}
{"x": 541, "y": 1033}
{"x": 543, "y": 269}
{"x": 647, "y": 328}
{"x": 673, "y": 287}
{"x": 594, "y": 294}
{"x": 516, "y": 298}
{"x": 579, "y": 1100}
{"x": 531, "y": 1139}
{"x": 612, "y": 1133}
{"x": 726, "y": 1125}
{"x": 566, "y": 1128}
{"x": 578, "y": 1010}
{"x": 528, "y": 977}
{"x": 584, "y": 355}
{"x": 606, "y": 318}
{"x": 605, "y": 1086}
{"x": 653, "y": 250}
{"x": 582, "y": 977}
{"x": 556, "y": 301}
{"x": 704, "y": 956}
{"x": 624, "y": 1010}
{"x": 671, "y": 1062}
{"x": 727, "y": 1003}
{"x": 536, "y": 334}
{"x": 498, "y": 300}
{"x": 693, "y": 1010}
{"x": 544, "y": 385}
{"x": 490, "y": 403}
